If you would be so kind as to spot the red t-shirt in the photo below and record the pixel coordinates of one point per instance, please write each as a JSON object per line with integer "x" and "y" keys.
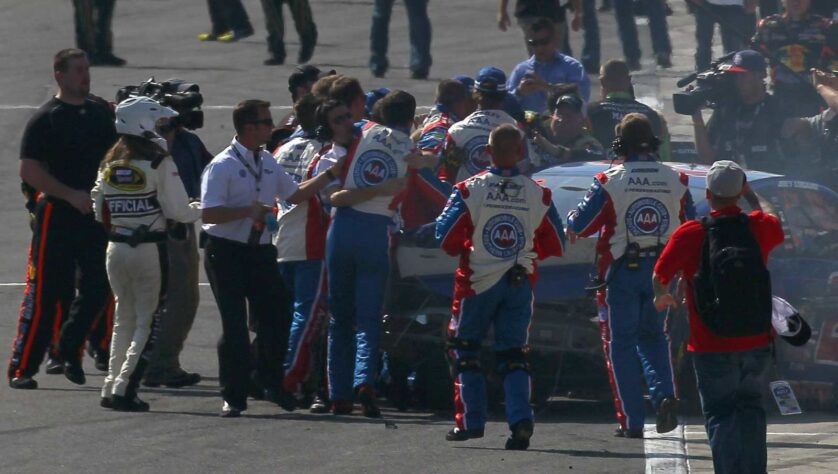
{"x": 683, "y": 254}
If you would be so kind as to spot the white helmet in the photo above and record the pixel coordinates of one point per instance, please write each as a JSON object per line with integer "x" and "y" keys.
{"x": 138, "y": 116}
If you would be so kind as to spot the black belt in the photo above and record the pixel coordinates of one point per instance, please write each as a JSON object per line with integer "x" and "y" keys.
{"x": 148, "y": 238}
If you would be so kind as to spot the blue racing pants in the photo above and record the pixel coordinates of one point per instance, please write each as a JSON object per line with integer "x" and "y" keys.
{"x": 631, "y": 328}
{"x": 509, "y": 311}
{"x": 307, "y": 279}
{"x": 357, "y": 260}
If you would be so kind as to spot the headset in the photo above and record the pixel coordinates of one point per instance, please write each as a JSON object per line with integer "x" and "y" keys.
{"x": 621, "y": 148}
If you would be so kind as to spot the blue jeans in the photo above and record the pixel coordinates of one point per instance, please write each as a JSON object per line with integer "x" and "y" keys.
{"x": 591, "y": 50}
{"x": 420, "y": 34}
{"x": 731, "y": 385}
{"x": 656, "y": 13}
{"x": 358, "y": 264}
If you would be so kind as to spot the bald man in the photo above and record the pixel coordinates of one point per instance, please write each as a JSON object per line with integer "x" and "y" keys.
{"x": 617, "y": 101}
{"x": 500, "y": 223}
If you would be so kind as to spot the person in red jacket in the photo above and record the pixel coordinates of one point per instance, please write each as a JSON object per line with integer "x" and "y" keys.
{"x": 731, "y": 371}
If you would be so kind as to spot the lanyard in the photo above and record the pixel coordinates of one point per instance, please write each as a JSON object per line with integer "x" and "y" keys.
{"x": 250, "y": 169}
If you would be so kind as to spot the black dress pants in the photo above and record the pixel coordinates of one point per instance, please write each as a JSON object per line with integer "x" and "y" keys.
{"x": 246, "y": 278}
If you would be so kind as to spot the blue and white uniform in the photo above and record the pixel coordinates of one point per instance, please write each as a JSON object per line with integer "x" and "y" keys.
{"x": 640, "y": 201}
{"x": 300, "y": 242}
{"x": 494, "y": 221}
{"x": 357, "y": 258}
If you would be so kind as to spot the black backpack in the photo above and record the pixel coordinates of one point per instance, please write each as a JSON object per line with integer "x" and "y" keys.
{"x": 732, "y": 286}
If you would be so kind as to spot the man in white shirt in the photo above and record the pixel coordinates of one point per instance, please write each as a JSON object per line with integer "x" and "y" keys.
{"x": 238, "y": 188}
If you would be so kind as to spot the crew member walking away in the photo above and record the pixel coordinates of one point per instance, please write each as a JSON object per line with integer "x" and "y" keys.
{"x": 138, "y": 188}
{"x": 730, "y": 304}
{"x": 275, "y": 24}
{"x": 62, "y": 146}
{"x": 93, "y": 31}
{"x": 229, "y": 21}
{"x": 238, "y": 189}
{"x": 658, "y": 28}
{"x": 419, "y": 26}
{"x": 633, "y": 206}
{"x": 499, "y": 223}
{"x": 357, "y": 251}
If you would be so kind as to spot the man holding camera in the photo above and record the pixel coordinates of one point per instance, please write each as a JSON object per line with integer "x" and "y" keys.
{"x": 500, "y": 223}
{"x": 182, "y": 295}
{"x": 634, "y": 207}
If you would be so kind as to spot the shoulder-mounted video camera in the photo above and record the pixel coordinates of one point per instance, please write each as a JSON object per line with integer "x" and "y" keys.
{"x": 711, "y": 88}
{"x": 183, "y": 97}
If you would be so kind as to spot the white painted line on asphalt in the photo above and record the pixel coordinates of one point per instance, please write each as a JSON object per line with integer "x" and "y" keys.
{"x": 23, "y": 284}
{"x": 205, "y": 107}
{"x": 665, "y": 453}
{"x": 772, "y": 434}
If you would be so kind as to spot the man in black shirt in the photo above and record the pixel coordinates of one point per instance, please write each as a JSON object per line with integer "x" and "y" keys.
{"x": 62, "y": 147}
{"x": 617, "y": 102}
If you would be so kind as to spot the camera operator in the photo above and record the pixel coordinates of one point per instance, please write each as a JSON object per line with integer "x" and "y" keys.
{"x": 182, "y": 294}
{"x": 618, "y": 100}
{"x": 746, "y": 127}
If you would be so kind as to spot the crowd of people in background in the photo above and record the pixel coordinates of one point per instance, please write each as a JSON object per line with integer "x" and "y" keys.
{"x": 297, "y": 217}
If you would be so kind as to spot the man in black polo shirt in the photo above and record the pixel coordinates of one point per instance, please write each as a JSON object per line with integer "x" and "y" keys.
{"x": 62, "y": 147}
{"x": 618, "y": 101}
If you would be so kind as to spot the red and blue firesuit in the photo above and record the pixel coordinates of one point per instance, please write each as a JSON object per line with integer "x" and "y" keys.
{"x": 636, "y": 202}
{"x": 357, "y": 259}
{"x": 496, "y": 220}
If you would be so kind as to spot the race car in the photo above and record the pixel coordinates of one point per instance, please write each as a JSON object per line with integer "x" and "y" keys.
{"x": 565, "y": 346}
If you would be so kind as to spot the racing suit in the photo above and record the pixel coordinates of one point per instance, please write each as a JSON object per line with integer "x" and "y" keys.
{"x": 499, "y": 223}
{"x": 425, "y": 193}
{"x": 464, "y": 152}
{"x": 634, "y": 205}
{"x": 357, "y": 259}
{"x": 608, "y": 113}
{"x": 811, "y": 42}
{"x": 131, "y": 195}
{"x": 300, "y": 242}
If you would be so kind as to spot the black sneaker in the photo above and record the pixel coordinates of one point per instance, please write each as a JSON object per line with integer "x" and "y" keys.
{"x": 306, "y": 49}
{"x": 74, "y": 373}
{"x": 274, "y": 61}
{"x": 664, "y": 60}
{"x": 366, "y": 396}
{"x": 319, "y": 405}
{"x": 667, "y": 416}
{"x": 106, "y": 59}
{"x": 122, "y": 403}
{"x": 421, "y": 75}
{"x": 285, "y": 400}
{"x": 23, "y": 383}
{"x": 519, "y": 440}
{"x": 634, "y": 64}
{"x": 106, "y": 402}
{"x": 626, "y": 433}
{"x": 182, "y": 379}
{"x": 54, "y": 366}
{"x": 457, "y": 434}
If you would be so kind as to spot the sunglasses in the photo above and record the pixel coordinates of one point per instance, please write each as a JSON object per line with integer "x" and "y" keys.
{"x": 342, "y": 118}
{"x": 268, "y": 122}
{"x": 539, "y": 42}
